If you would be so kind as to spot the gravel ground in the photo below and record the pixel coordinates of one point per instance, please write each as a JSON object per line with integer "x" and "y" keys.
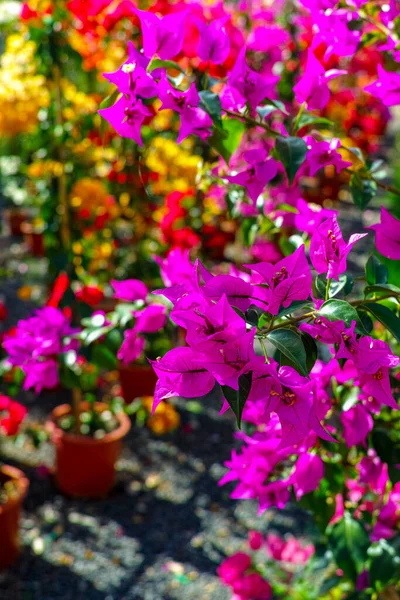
{"x": 164, "y": 529}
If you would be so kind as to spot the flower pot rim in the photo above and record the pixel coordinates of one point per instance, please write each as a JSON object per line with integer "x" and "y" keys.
{"x": 22, "y": 484}
{"x": 83, "y": 440}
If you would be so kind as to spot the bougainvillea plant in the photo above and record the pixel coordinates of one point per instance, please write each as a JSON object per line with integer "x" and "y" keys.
{"x": 302, "y": 351}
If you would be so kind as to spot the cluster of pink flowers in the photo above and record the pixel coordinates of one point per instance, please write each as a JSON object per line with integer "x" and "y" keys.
{"x": 220, "y": 347}
{"x": 241, "y": 571}
{"x": 148, "y": 319}
{"x": 36, "y": 344}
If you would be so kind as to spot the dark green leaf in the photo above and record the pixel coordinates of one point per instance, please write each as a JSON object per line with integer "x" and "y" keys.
{"x": 340, "y": 310}
{"x": 311, "y": 349}
{"x": 210, "y": 102}
{"x": 362, "y": 190}
{"x": 252, "y": 315}
{"x": 349, "y": 542}
{"x": 335, "y": 286}
{"x": 384, "y": 565}
{"x": 103, "y": 357}
{"x": 237, "y": 398}
{"x": 385, "y": 316}
{"x": 375, "y": 271}
{"x": 226, "y": 140}
{"x": 365, "y": 320}
{"x": 291, "y": 152}
{"x": 113, "y": 340}
{"x": 296, "y": 305}
{"x": 290, "y": 344}
{"x": 384, "y": 446}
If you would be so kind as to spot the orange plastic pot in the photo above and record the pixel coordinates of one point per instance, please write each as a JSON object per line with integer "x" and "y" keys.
{"x": 10, "y": 514}
{"x": 137, "y": 381}
{"x": 85, "y": 466}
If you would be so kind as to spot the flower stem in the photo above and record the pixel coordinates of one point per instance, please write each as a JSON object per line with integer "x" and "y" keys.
{"x": 296, "y": 123}
{"x": 328, "y": 285}
{"x": 251, "y": 121}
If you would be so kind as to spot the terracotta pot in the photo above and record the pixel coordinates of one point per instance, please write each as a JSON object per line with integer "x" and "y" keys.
{"x": 33, "y": 239}
{"x": 15, "y": 218}
{"x": 85, "y": 466}
{"x": 9, "y": 516}
{"x": 137, "y": 381}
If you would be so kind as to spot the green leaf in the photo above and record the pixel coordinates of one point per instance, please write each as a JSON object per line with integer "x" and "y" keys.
{"x": 375, "y": 271}
{"x": 349, "y": 542}
{"x": 249, "y": 231}
{"x": 385, "y": 316}
{"x": 113, "y": 340}
{"x": 211, "y": 103}
{"x": 110, "y": 100}
{"x": 362, "y": 190}
{"x": 340, "y": 310}
{"x": 384, "y": 565}
{"x": 311, "y": 349}
{"x": 385, "y": 447}
{"x": 309, "y": 119}
{"x": 290, "y": 344}
{"x": 384, "y": 288}
{"x": 335, "y": 286}
{"x": 291, "y": 152}
{"x": 103, "y": 357}
{"x": 253, "y": 314}
{"x": 90, "y": 335}
{"x": 365, "y": 320}
{"x": 226, "y": 140}
{"x": 296, "y": 305}
{"x": 264, "y": 111}
{"x": 237, "y": 398}
{"x": 157, "y": 63}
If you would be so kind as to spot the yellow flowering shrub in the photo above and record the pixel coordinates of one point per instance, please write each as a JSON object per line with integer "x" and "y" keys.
{"x": 22, "y": 92}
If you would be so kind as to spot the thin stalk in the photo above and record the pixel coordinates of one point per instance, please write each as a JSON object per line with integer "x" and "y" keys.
{"x": 296, "y": 123}
{"x": 328, "y": 285}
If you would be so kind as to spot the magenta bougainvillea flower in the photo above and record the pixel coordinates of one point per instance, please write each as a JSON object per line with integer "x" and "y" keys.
{"x": 194, "y": 121}
{"x": 162, "y": 37}
{"x": 309, "y": 215}
{"x": 309, "y": 470}
{"x": 281, "y": 283}
{"x": 151, "y": 319}
{"x": 246, "y": 86}
{"x": 260, "y": 172}
{"x": 386, "y": 87}
{"x": 357, "y": 423}
{"x": 322, "y": 154}
{"x": 387, "y": 234}
{"x": 129, "y": 290}
{"x": 214, "y": 44}
{"x": 328, "y": 250}
{"x": 132, "y": 347}
{"x": 127, "y": 117}
{"x": 312, "y": 87}
{"x": 181, "y": 373}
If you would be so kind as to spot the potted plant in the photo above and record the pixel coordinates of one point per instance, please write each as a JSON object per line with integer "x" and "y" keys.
{"x": 121, "y": 337}
{"x": 13, "y": 485}
{"x": 87, "y": 434}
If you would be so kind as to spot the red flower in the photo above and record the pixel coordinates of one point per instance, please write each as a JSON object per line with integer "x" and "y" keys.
{"x": 90, "y": 294}
{"x": 11, "y": 415}
{"x": 3, "y": 311}
{"x": 60, "y": 286}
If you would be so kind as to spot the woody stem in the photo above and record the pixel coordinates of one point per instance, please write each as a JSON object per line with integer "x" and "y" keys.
{"x": 252, "y": 122}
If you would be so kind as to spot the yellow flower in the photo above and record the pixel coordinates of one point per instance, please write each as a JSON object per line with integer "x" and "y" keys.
{"x": 89, "y": 194}
{"x": 22, "y": 92}
{"x": 165, "y": 418}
